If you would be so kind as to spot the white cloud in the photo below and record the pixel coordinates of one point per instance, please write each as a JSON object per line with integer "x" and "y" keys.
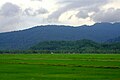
{"x": 13, "y": 17}
{"x": 78, "y": 5}
{"x": 9, "y": 9}
{"x": 31, "y": 12}
{"x": 20, "y": 14}
{"x": 82, "y": 14}
{"x": 36, "y": 0}
{"x": 9, "y": 16}
{"x": 110, "y": 15}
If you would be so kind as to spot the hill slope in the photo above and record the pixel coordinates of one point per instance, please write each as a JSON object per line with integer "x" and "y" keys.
{"x": 66, "y": 45}
{"x": 79, "y": 46}
{"x": 114, "y": 40}
{"x": 24, "y": 39}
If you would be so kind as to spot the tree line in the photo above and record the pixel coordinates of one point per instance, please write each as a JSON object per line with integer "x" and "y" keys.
{"x": 69, "y": 47}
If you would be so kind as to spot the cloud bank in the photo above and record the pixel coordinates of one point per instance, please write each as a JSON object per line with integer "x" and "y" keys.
{"x": 17, "y": 15}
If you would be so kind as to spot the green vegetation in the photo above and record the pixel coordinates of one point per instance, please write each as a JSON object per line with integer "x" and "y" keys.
{"x": 60, "y": 67}
{"x": 24, "y": 39}
{"x": 79, "y": 46}
{"x": 69, "y": 47}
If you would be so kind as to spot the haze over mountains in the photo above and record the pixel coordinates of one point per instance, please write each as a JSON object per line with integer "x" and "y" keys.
{"x": 100, "y": 32}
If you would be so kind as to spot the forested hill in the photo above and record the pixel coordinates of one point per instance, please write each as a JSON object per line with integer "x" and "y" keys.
{"x": 24, "y": 39}
{"x": 66, "y": 45}
{"x": 79, "y": 46}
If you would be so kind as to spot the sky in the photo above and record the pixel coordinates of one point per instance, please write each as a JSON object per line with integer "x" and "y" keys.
{"x": 23, "y": 14}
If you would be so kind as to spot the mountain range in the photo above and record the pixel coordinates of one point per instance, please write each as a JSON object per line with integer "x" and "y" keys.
{"x": 24, "y": 39}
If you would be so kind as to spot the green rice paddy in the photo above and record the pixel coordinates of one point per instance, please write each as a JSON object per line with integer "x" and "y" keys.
{"x": 60, "y": 67}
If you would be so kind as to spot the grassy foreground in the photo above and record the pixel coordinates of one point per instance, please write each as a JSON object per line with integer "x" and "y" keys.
{"x": 60, "y": 67}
